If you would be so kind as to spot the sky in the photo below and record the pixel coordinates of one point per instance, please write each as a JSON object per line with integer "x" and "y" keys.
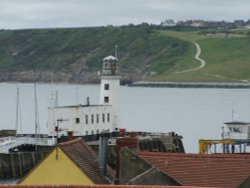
{"x": 22, "y": 14}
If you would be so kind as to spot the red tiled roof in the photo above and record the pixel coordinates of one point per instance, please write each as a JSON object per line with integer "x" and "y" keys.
{"x": 87, "y": 160}
{"x": 91, "y": 186}
{"x": 215, "y": 170}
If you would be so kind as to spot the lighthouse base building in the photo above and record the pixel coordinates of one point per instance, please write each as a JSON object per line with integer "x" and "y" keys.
{"x": 88, "y": 120}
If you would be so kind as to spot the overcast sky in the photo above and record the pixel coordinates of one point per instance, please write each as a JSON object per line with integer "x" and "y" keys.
{"x": 18, "y": 14}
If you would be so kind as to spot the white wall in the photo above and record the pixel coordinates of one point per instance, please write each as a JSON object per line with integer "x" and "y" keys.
{"x": 113, "y": 93}
{"x": 69, "y": 115}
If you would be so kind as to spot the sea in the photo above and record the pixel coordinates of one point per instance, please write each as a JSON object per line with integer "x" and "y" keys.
{"x": 194, "y": 113}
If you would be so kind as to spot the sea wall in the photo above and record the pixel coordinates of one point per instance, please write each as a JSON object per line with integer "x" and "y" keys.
{"x": 18, "y": 164}
{"x": 191, "y": 85}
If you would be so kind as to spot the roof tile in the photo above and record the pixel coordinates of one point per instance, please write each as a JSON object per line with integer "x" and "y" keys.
{"x": 87, "y": 160}
{"x": 213, "y": 170}
{"x": 92, "y": 186}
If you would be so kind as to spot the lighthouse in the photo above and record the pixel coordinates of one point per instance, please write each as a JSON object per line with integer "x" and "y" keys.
{"x": 89, "y": 119}
{"x": 110, "y": 87}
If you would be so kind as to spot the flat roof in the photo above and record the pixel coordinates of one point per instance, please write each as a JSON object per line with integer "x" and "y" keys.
{"x": 81, "y": 106}
{"x": 237, "y": 123}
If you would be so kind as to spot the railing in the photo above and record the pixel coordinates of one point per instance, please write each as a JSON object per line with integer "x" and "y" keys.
{"x": 8, "y": 143}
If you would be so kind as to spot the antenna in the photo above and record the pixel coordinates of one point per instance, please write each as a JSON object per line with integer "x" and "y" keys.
{"x": 233, "y": 117}
{"x": 116, "y": 47}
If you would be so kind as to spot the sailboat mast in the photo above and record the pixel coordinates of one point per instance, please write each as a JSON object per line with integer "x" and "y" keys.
{"x": 36, "y": 112}
{"x": 17, "y": 109}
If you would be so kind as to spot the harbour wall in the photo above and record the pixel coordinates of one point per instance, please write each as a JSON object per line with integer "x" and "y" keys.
{"x": 191, "y": 85}
{"x": 18, "y": 164}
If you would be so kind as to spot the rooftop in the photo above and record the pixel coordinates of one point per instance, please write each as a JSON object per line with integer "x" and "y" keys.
{"x": 213, "y": 170}
{"x": 90, "y": 186}
{"x": 82, "y": 106}
{"x": 110, "y": 58}
{"x": 87, "y": 160}
{"x": 237, "y": 123}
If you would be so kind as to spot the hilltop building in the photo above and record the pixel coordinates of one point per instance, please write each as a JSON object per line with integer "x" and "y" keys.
{"x": 168, "y": 23}
{"x": 88, "y": 119}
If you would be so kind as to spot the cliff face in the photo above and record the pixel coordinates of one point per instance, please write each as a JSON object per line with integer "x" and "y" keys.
{"x": 47, "y": 76}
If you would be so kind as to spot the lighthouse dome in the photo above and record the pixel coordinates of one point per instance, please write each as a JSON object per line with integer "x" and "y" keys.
{"x": 110, "y": 58}
{"x": 110, "y": 66}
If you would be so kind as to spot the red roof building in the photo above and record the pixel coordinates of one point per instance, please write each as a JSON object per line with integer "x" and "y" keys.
{"x": 208, "y": 170}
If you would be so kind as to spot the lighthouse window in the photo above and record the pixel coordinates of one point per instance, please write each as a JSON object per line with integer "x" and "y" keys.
{"x": 97, "y": 118}
{"x": 106, "y": 99}
{"x": 106, "y": 86}
{"x": 108, "y": 117}
{"x": 77, "y": 120}
{"x": 86, "y": 119}
{"x": 92, "y": 118}
{"x": 103, "y": 117}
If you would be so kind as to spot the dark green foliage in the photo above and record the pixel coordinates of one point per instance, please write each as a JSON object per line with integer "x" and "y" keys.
{"x": 79, "y": 49}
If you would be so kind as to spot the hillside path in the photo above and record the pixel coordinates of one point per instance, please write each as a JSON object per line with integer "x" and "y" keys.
{"x": 197, "y": 56}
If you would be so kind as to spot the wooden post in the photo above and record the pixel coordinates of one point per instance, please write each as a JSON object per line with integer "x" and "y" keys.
{"x": 12, "y": 163}
{"x": 20, "y": 164}
{"x": 1, "y": 168}
{"x": 33, "y": 158}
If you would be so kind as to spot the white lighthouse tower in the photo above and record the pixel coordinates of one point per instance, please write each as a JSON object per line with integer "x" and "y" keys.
{"x": 110, "y": 87}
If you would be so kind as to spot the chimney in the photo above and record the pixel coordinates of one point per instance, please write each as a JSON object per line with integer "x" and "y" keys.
{"x": 70, "y": 135}
{"x": 103, "y": 147}
{"x": 87, "y": 101}
{"x": 131, "y": 142}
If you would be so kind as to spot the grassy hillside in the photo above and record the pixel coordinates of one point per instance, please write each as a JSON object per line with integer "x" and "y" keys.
{"x": 140, "y": 48}
{"x": 227, "y": 56}
{"x": 145, "y": 52}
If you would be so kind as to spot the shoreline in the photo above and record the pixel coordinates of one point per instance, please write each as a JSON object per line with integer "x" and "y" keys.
{"x": 191, "y": 85}
{"x": 154, "y": 84}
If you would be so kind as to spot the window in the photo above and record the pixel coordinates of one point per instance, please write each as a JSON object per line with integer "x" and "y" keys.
{"x": 77, "y": 120}
{"x": 237, "y": 129}
{"x": 97, "y": 118}
{"x": 86, "y": 133}
{"x": 106, "y": 86}
{"x": 108, "y": 117}
{"x": 92, "y": 132}
{"x": 86, "y": 119}
{"x": 103, "y": 117}
{"x": 92, "y": 118}
{"x": 106, "y": 99}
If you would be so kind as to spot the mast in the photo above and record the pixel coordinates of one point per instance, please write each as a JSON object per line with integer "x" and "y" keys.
{"x": 116, "y": 47}
{"x": 36, "y": 116}
{"x": 17, "y": 109}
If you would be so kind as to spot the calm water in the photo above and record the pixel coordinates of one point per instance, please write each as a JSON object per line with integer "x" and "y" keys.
{"x": 192, "y": 113}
